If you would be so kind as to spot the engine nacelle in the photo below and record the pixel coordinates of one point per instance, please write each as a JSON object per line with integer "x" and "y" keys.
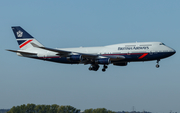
{"x": 120, "y": 64}
{"x": 103, "y": 61}
{"x": 75, "y": 58}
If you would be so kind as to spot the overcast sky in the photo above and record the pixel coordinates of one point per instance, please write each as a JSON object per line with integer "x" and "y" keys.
{"x": 75, "y": 23}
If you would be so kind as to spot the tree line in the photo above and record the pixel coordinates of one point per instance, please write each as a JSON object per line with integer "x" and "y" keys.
{"x": 32, "y": 108}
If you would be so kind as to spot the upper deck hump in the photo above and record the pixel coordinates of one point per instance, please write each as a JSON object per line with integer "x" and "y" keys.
{"x": 135, "y": 44}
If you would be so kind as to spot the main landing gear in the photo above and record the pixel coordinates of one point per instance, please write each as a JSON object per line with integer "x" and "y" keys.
{"x": 104, "y": 68}
{"x": 95, "y": 67}
{"x": 157, "y": 65}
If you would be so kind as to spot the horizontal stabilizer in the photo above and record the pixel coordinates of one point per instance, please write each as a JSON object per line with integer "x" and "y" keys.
{"x": 22, "y": 52}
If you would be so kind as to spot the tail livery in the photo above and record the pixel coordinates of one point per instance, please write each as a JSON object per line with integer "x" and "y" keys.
{"x": 24, "y": 38}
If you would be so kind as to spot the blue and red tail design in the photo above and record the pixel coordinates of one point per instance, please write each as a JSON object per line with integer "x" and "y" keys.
{"x": 24, "y": 38}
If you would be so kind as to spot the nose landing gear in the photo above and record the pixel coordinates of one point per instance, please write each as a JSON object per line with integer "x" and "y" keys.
{"x": 157, "y": 65}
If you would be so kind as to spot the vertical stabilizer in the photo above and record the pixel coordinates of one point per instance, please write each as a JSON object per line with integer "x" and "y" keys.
{"x": 24, "y": 38}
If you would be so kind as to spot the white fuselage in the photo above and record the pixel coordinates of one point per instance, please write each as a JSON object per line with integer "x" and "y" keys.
{"x": 139, "y": 47}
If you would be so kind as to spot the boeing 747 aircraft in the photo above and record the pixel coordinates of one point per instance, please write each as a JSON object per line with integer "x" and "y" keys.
{"x": 117, "y": 54}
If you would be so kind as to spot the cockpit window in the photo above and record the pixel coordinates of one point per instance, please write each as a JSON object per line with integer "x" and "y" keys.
{"x": 161, "y": 44}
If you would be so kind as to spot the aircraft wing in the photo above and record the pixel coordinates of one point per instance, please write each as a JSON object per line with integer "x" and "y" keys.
{"x": 88, "y": 57}
{"x": 84, "y": 55}
{"x": 62, "y": 52}
{"x": 66, "y": 53}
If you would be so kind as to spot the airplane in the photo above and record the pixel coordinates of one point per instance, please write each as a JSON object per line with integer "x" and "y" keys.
{"x": 117, "y": 54}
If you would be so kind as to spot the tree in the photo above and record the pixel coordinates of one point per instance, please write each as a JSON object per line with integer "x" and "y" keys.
{"x": 88, "y": 110}
{"x": 43, "y": 109}
{"x": 23, "y": 108}
{"x": 38, "y": 108}
{"x": 54, "y": 108}
{"x": 30, "y": 108}
{"x": 14, "y": 110}
{"x": 67, "y": 109}
{"x": 98, "y": 110}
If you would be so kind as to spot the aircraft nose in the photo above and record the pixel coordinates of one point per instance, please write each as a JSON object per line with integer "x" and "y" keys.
{"x": 173, "y": 51}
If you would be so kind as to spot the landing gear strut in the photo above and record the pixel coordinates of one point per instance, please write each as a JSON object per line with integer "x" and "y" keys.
{"x": 104, "y": 68}
{"x": 157, "y": 65}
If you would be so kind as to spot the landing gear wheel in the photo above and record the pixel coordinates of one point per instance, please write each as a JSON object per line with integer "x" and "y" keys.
{"x": 157, "y": 66}
{"x": 94, "y": 67}
{"x": 103, "y": 70}
{"x": 90, "y": 68}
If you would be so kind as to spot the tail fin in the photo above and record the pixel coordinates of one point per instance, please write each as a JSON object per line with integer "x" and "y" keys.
{"x": 24, "y": 38}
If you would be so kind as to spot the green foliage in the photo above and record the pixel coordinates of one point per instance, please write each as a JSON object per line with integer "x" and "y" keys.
{"x": 67, "y": 109}
{"x": 54, "y": 108}
{"x": 32, "y": 108}
{"x": 98, "y": 110}
{"x": 88, "y": 110}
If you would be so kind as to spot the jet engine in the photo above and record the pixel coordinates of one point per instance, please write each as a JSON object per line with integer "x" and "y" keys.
{"x": 75, "y": 58}
{"x": 103, "y": 61}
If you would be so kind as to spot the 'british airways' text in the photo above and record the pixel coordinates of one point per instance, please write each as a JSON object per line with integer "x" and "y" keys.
{"x": 132, "y": 48}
